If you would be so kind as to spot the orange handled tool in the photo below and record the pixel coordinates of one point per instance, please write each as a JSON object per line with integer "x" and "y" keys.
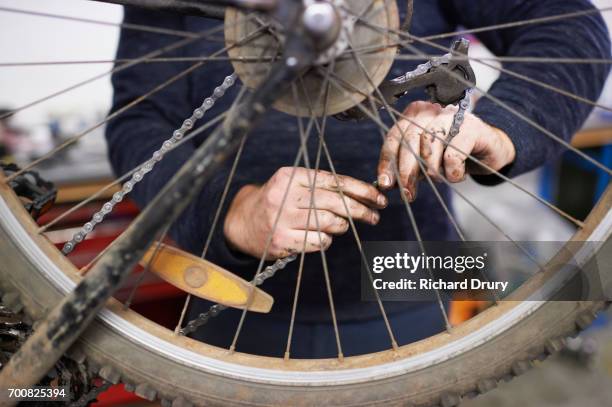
{"x": 204, "y": 279}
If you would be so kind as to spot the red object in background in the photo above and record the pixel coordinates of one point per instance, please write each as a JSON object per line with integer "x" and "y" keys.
{"x": 154, "y": 299}
{"x": 117, "y": 396}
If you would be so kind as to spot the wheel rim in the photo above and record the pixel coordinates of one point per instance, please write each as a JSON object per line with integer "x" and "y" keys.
{"x": 249, "y": 367}
{"x": 318, "y": 372}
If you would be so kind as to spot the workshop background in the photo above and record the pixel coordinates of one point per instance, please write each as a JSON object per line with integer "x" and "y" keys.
{"x": 579, "y": 377}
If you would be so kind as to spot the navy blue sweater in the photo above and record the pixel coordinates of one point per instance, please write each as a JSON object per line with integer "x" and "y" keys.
{"x": 134, "y": 135}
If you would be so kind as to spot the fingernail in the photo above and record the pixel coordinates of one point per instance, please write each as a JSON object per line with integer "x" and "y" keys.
{"x": 414, "y": 193}
{"x": 381, "y": 200}
{"x": 375, "y": 218}
{"x": 384, "y": 180}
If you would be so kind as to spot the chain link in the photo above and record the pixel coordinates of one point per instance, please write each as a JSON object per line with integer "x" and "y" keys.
{"x": 459, "y": 116}
{"x": 215, "y": 309}
{"x": 147, "y": 166}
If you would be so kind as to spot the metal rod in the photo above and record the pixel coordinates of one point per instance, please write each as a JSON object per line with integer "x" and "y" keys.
{"x": 195, "y": 8}
{"x": 202, "y": 8}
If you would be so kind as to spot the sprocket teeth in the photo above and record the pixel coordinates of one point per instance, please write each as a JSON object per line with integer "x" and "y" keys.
{"x": 130, "y": 387}
{"x": 76, "y": 353}
{"x": 11, "y": 301}
{"x": 145, "y": 391}
{"x": 471, "y": 394}
{"x": 520, "y": 367}
{"x": 450, "y": 400}
{"x": 585, "y": 319}
{"x": 110, "y": 374}
{"x": 554, "y": 345}
{"x": 486, "y": 385}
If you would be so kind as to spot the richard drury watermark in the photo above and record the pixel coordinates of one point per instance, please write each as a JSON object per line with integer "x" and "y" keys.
{"x": 427, "y": 266}
{"x": 485, "y": 271}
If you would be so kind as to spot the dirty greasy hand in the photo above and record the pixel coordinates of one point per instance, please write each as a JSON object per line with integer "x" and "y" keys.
{"x": 253, "y": 212}
{"x": 423, "y": 130}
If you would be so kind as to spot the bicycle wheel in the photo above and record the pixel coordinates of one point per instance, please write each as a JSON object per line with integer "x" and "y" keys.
{"x": 155, "y": 362}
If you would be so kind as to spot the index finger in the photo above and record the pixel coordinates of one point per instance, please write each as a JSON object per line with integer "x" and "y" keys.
{"x": 359, "y": 190}
{"x": 362, "y": 191}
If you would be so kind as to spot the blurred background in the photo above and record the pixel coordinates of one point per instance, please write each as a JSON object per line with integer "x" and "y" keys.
{"x": 582, "y": 377}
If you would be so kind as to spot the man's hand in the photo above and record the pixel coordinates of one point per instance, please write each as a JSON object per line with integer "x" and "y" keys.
{"x": 253, "y": 212}
{"x": 490, "y": 145}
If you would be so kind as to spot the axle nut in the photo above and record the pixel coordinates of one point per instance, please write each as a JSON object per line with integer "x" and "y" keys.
{"x": 322, "y": 22}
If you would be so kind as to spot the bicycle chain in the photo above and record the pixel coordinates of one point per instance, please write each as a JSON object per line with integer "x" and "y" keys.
{"x": 215, "y": 309}
{"x": 464, "y": 105}
{"x": 147, "y": 166}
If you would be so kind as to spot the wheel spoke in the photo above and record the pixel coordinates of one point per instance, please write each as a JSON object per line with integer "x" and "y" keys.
{"x": 160, "y": 51}
{"x": 364, "y": 261}
{"x": 262, "y": 260}
{"x": 144, "y": 58}
{"x": 370, "y": 51}
{"x": 125, "y": 60}
{"x": 301, "y": 152}
{"x": 521, "y": 76}
{"x": 126, "y": 175}
{"x": 126, "y": 26}
{"x": 497, "y": 101}
{"x": 228, "y": 182}
{"x": 341, "y": 85}
{"x": 313, "y": 207}
{"x": 396, "y": 173}
{"x": 513, "y": 24}
{"x": 123, "y": 109}
{"x": 531, "y": 60}
{"x": 147, "y": 268}
{"x": 306, "y": 230}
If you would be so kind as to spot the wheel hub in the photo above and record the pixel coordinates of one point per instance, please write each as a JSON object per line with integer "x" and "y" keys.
{"x": 336, "y": 32}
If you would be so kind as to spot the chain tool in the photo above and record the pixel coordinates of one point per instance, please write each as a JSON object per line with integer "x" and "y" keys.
{"x": 147, "y": 167}
{"x": 215, "y": 309}
{"x": 439, "y": 76}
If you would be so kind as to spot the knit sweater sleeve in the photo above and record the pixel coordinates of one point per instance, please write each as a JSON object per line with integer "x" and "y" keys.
{"x": 583, "y": 36}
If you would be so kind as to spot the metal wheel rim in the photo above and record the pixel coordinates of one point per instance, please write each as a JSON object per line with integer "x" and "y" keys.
{"x": 335, "y": 373}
